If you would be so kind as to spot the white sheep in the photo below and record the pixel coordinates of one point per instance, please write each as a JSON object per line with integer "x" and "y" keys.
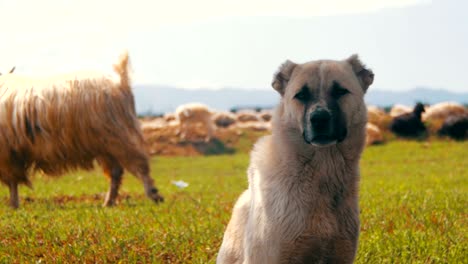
{"x": 194, "y": 117}
{"x": 442, "y": 111}
{"x": 266, "y": 115}
{"x": 247, "y": 116}
{"x": 378, "y": 117}
{"x": 224, "y": 119}
{"x": 373, "y": 134}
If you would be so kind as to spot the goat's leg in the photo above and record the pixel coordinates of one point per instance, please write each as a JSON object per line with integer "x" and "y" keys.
{"x": 137, "y": 163}
{"x": 14, "y": 199}
{"x": 113, "y": 171}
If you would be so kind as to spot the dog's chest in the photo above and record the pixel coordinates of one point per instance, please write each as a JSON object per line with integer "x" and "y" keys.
{"x": 311, "y": 193}
{"x": 309, "y": 215}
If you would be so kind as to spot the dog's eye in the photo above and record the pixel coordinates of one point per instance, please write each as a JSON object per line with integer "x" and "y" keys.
{"x": 303, "y": 95}
{"x": 338, "y": 91}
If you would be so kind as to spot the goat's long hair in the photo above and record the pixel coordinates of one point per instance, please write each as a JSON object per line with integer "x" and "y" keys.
{"x": 67, "y": 121}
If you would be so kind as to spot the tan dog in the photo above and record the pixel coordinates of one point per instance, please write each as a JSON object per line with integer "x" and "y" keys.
{"x": 302, "y": 201}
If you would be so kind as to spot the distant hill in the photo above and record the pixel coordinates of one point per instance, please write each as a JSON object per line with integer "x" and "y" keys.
{"x": 424, "y": 95}
{"x": 162, "y": 99}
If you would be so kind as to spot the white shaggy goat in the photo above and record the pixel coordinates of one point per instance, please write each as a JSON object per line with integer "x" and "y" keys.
{"x": 66, "y": 122}
{"x": 192, "y": 115}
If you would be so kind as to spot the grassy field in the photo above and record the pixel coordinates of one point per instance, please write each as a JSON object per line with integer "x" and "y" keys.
{"x": 414, "y": 200}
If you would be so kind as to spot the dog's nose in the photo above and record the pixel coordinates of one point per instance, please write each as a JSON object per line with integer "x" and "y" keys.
{"x": 320, "y": 118}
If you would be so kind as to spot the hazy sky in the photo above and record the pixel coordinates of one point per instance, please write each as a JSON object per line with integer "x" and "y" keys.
{"x": 227, "y": 43}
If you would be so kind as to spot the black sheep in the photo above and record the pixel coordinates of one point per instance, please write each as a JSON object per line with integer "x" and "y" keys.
{"x": 410, "y": 124}
{"x": 455, "y": 127}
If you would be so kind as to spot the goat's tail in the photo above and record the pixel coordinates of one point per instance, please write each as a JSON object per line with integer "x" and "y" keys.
{"x": 122, "y": 69}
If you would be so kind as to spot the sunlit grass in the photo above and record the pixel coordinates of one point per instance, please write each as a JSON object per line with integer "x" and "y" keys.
{"x": 413, "y": 210}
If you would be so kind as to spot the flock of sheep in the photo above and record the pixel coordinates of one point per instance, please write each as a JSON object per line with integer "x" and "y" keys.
{"x": 447, "y": 118}
{"x": 195, "y": 122}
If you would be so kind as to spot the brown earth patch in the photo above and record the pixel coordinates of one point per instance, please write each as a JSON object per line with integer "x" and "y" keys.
{"x": 163, "y": 138}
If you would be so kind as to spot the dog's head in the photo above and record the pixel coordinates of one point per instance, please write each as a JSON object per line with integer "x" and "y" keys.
{"x": 323, "y": 99}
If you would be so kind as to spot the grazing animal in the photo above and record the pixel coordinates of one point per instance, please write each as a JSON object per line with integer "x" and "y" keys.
{"x": 378, "y": 117}
{"x": 224, "y": 119}
{"x": 444, "y": 110}
{"x": 302, "y": 202}
{"x": 266, "y": 115}
{"x": 247, "y": 116}
{"x": 66, "y": 122}
{"x": 455, "y": 127}
{"x": 192, "y": 115}
{"x": 169, "y": 117}
{"x": 373, "y": 134}
{"x": 409, "y": 124}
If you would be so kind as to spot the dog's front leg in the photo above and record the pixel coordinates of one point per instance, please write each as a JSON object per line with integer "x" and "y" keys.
{"x": 343, "y": 251}
{"x": 343, "y": 247}
{"x": 261, "y": 244}
{"x": 232, "y": 249}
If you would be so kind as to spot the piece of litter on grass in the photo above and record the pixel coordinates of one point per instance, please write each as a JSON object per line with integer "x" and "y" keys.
{"x": 180, "y": 184}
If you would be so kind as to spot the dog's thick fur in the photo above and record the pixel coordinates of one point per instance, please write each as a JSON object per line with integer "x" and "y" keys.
{"x": 66, "y": 122}
{"x": 302, "y": 202}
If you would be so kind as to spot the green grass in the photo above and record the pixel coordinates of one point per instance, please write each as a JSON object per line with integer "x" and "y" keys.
{"x": 413, "y": 210}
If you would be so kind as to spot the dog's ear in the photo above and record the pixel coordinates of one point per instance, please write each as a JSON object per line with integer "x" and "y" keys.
{"x": 365, "y": 76}
{"x": 282, "y": 76}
